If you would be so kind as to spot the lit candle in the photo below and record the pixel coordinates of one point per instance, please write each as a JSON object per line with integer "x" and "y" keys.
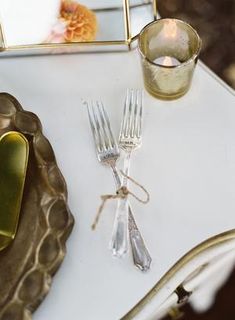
{"x": 167, "y": 61}
{"x": 169, "y": 49}
{"x": 170, "y": 29}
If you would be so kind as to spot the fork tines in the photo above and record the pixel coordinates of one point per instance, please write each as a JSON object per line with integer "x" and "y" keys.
{"x": 100, "y": 126}
{"x": 132, "y": 114}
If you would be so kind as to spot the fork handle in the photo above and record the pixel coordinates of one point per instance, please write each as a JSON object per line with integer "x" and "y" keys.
{"x": 126, "y": 168}
{"x": 140, "y": 254}
{"x": 119, "y": 242}
{"x": 117, "y": 179}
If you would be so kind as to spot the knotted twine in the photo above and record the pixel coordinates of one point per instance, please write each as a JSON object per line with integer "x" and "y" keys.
{"x": 122, "y": 193}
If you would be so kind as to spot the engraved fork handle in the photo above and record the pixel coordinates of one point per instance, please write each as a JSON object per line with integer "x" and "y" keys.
{"x": 141, "y": 256}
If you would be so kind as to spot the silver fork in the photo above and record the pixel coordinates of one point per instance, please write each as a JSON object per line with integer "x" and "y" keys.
{"x": 130, "y": 138}
{"x": 108, "y": 153}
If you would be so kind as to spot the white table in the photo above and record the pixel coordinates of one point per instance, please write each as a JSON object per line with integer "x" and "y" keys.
{"x": 187, "y": 162}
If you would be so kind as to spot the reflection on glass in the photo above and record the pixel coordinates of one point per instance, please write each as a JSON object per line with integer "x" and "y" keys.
{"x": 30, "y": 22}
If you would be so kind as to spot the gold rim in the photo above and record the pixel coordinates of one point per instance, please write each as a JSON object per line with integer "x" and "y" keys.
{"x": 194, "y": 56}
{"x": 209, "y": 243}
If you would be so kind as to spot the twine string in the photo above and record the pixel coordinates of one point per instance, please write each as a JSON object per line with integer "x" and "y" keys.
{"x": 121, "y": 193}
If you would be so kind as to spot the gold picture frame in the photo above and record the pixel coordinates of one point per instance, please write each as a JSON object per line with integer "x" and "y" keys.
{"x": 86, "y": 46}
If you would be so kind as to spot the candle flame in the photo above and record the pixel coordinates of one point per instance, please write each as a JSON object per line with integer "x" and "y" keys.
{"x": 170, "y": 29}
{"x": 167, "y": 61}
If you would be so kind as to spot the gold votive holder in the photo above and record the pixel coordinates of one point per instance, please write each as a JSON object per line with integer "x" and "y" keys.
{"x": 169, "y": 50}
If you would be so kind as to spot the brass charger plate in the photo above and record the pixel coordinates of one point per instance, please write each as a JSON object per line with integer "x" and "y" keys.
{"x": 28, "y": 264}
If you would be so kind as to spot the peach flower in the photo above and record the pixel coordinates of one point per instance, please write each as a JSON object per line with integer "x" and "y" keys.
{"x": 76, "y": 23}
{"x": 81, "y": 23}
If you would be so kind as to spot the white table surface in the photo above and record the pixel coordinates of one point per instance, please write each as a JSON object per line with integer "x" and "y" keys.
{"x": 187, "y": 162}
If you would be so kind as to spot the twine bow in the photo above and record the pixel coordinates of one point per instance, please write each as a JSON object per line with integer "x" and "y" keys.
{"x": 122, "y": 193}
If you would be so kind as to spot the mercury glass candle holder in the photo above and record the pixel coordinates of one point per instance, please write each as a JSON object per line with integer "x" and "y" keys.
{"x": 169, "y": 50}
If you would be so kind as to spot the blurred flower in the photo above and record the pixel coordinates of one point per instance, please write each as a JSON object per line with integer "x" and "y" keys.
{"x": 81, "y": 23}
{"x": 76, "y": 23}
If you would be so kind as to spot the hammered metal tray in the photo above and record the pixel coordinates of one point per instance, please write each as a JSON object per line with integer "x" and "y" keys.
{"x": 28, "y": 264}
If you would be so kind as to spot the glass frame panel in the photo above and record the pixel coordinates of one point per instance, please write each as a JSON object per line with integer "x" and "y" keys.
{"x": 91, "y": 46}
